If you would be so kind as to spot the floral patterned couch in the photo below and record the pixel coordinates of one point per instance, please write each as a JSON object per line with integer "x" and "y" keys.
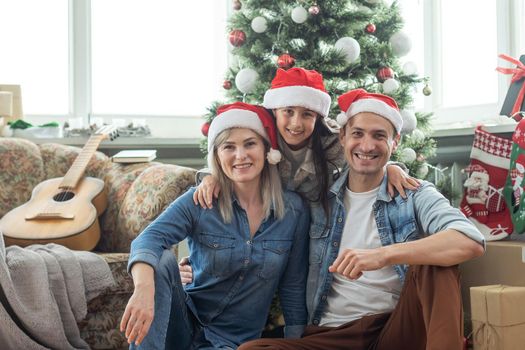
{"x": 137, "y": 193}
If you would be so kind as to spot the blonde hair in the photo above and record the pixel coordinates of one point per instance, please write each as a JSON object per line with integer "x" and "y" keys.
{"x": 270, "y": 183}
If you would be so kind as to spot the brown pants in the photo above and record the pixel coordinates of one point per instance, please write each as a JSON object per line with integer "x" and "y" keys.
{"x": 428, "y": 316}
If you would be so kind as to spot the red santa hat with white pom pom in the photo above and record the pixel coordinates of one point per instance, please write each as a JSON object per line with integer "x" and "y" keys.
{"x": 244, "y": 115}
{"x": 359, "y": 100}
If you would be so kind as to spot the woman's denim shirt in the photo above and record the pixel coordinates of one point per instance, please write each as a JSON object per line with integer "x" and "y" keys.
{"x": 235, "y": 276}
{"x": 424, "y": 212}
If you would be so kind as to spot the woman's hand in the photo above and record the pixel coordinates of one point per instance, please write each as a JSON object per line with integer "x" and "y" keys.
{"x": 139, "y": 311}
{"x": 399, "y": 180}
{"x": 207, "y": 190}
{"x": 186, "y": 273}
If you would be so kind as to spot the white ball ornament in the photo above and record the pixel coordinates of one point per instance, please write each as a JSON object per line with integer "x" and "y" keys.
{"x": 408, "y": 155}
{"x": 410, "y": 68}
{"x": 259, "y": 24}
{"x": 401, "y": 43}
{"x": 417, "y": 135}
{"x": 422, "y": 171}
{"x": 409, "y": 121}
{"x": 390, "y": 86}
{"x": 350, "y": 48}
{"x": 299, "y": 14}
{"x": 246, "y": 79}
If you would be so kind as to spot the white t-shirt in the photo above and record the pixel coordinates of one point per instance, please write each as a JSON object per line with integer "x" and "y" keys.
{"x": 375, "y": 291}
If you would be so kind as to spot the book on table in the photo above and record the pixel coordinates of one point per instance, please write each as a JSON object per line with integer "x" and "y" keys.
{"x": 135, "y": 156}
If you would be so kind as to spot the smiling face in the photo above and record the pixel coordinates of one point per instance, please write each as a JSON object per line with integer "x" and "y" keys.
{"x": 242, "y": 156}
{"x": 368, "y": 141}
{"x": 296, "y": 125}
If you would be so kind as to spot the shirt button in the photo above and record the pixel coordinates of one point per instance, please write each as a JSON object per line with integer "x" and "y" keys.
{"x": 241, "y": 278}
{"x": 215, "y": 245}
{"x": 246, "y": 261}
{"x": 323, "y": 297}
{"x": 249, "y": 242}
{"x": 315, "y": 322}
{"x": 339, "y": 219}
{"x": 335, "y": 244}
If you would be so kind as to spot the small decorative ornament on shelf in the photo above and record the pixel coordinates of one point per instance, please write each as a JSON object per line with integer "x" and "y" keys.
{"x": 129, "y": 130}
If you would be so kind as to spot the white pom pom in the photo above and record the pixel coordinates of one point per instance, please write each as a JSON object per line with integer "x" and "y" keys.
{"x": 350, "y": 48}
{"x": 342, "y": 118}
{"x": 246, "y": 79}
{"x": 409, "y": 121}
{"x": 274, "y": 156}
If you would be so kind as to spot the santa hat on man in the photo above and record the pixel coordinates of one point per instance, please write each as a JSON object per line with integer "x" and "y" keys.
{"x": 244, "y": 115}
{"x": 298, "y": 87}
{"x": 359, "y": 100}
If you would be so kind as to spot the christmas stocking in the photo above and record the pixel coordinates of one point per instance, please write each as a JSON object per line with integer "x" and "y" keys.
{"x": 515, "y": 180}
{"x": 483, "y": 202}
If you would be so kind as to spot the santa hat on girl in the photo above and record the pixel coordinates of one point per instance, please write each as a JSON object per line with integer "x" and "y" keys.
{"x": 298, "y": 87}
{"x": 244, "y": 115}
{"x": 359, "y": 100}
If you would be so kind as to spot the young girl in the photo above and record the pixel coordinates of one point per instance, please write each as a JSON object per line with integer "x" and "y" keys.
{"x": 307, "y": 138}
{"x": 251, "y": 243}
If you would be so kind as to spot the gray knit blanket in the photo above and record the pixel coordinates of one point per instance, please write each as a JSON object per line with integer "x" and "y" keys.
{"x": 44, "y": 290}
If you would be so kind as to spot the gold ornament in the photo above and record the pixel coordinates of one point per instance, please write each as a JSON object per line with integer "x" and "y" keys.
{"x": 427, "y": 90}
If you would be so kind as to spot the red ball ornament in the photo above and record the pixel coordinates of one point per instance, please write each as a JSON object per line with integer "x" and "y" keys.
{"x": 227, "y": 85}
{"x": 286, "y": 61}
{"x": 204, "y": 128}
{"x": 370, "y": 28}
{"x": 384, "y": 73}
{"x": 237, "y": 5}
{"x": 237, "y": 37}
{"x": 314, "y": 10}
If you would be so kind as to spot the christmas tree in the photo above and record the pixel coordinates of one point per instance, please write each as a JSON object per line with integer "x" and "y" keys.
{"x": 353, "y": 43}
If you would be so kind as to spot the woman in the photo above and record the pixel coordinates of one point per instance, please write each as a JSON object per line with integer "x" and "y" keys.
{"x": 251, "y": 243}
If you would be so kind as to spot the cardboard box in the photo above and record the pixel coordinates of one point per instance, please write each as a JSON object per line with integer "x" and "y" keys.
{"x": 498, "y": 317}
{"x": 502, "y": 263}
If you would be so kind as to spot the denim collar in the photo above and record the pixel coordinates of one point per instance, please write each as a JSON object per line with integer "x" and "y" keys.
{"x": 340, "y": 184}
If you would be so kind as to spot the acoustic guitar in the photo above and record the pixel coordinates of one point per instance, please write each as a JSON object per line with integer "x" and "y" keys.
{"x": 62, "y": 210}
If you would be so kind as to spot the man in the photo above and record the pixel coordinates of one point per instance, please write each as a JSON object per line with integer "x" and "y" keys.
{"x": 360, "y": 294}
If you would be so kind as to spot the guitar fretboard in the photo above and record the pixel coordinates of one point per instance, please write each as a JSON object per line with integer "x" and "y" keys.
{"x": 75, "y": 173}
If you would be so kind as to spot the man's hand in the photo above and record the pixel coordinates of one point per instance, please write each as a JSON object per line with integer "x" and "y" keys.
{"x": 186, "y": 273}
{"x": 352, "y": 262}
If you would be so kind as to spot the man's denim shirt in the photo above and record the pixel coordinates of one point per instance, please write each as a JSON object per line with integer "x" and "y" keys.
{"x": 235, "y": 275}
{"x": 424, "y": 212}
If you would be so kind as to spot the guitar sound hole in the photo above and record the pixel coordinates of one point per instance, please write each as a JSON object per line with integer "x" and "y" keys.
{"x": 64, "y": 196}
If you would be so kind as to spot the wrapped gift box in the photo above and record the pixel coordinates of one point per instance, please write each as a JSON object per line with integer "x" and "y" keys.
{"x": 516, "y": 91}
{"x": 498, "y": 317}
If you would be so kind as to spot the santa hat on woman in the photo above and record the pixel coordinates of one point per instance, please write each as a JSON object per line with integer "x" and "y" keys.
{"x": 359, "y": 100}
{"x": 244, "y": 115}
{"x": 298, "y": 87}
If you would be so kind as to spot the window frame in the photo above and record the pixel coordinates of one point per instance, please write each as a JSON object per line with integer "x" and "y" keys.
{"x": 509, "y": 36}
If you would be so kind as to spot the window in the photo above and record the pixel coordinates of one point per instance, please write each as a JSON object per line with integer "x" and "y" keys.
{"x": 154, "y": 59}
{"x": 462, "y": 41}
{"x": 34, "y": 53}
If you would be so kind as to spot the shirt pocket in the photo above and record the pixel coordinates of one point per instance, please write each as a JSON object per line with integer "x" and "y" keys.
{"x": 217, "y": 251}
{"x": 406, "y": 231}
{"x": 275, "y": 258}
{"x": 318, "y": 239}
